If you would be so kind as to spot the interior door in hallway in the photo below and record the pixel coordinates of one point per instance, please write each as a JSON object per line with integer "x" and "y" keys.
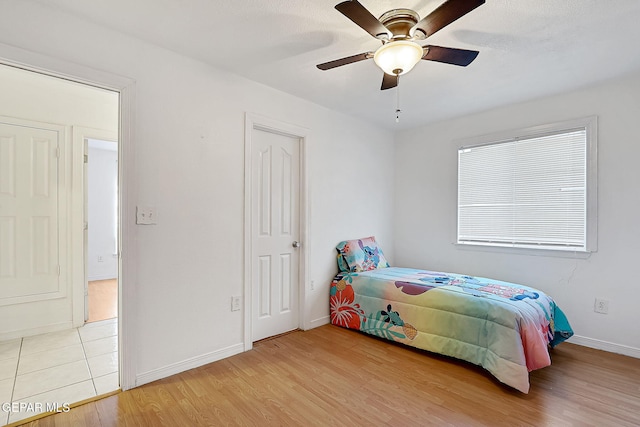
{"x": 275, "y": 228}
{"x": 29, "y": 225}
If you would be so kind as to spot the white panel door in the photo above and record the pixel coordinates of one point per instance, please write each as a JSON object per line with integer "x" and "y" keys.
{"x": 29, "y": 251}
{"x": 275, "y": 228}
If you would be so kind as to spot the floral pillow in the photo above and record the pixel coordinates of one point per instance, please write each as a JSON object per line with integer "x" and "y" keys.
{"x": 342, "y": 263}
{"x": 360, "y": 255}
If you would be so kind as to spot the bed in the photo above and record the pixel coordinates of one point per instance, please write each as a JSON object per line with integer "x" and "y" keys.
{"x": 504, "y": 327}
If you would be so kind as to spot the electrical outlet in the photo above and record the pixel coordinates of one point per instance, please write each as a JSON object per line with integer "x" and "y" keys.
{"x": 313, "y": 284}
{"x": 601, "y": 306}
{"x": 235, "y": 303}
{"x": 146, "y": 215}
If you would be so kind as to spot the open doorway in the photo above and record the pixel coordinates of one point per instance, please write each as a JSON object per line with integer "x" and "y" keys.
{"x": 101, "y": 201}
{"x": 47, "y": 353}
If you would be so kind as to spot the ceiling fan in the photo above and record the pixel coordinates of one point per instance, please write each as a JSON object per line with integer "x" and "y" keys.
{"x": 399, "y": 30}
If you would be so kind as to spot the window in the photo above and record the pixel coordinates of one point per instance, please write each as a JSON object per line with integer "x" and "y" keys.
{"x": 534, "y": 188}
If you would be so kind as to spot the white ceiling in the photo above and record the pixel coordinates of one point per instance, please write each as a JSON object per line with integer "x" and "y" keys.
{"x": 528, "y": 49}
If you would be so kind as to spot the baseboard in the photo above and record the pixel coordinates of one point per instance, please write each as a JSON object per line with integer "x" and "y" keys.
{"x": 21, "y": 333}
{"x": 317, "y": 322}
{"x": 101, "y": 277}
{"x": 606, "y": 346}
{"x": 185, "y": 365}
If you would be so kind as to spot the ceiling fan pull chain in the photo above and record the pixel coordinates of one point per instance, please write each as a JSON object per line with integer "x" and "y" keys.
{"x": 398, "y": 111}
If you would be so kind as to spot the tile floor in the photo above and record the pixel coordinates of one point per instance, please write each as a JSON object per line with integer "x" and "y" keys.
{"x": 59, "y": 367}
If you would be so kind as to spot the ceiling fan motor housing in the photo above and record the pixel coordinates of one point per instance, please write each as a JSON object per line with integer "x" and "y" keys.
{"x": 400, "y": 22}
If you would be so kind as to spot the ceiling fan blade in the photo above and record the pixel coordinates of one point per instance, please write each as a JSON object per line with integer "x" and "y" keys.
{"x": 444, "y": 15}
{"x": 389, "y": 81}
{"x": 344, "y": 61}
{"x": 363, "y": 18}
{"x": 449, "y": 55}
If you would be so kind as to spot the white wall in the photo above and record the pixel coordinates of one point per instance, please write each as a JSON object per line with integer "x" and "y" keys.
{"x": 425, "y": 214}
{"x": 102, "y": 182}
{"x": 189, "y": 151}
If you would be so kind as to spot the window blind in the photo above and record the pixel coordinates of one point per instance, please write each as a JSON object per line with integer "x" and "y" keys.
{"x": 525, "y": 192}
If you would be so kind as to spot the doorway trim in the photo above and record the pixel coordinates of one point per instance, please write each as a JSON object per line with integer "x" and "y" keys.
{"x": 43, "y": 64}
{"x": 258, "y": 122}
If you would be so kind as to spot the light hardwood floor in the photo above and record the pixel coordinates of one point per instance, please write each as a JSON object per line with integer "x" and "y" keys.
{"x": 103, "y": 300}
{"x": 334, "y": 376}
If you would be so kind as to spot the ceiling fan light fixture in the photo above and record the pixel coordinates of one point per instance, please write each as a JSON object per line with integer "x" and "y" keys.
{"x": 398, "y": 57}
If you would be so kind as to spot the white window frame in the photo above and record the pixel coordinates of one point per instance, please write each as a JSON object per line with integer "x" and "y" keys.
{"x": 589, "y": 124}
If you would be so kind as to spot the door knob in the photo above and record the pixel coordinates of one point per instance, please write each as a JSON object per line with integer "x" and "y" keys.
{"x": 295, "y": 244}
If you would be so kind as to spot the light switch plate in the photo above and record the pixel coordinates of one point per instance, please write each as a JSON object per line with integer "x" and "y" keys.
{"x": 146, "y": 215}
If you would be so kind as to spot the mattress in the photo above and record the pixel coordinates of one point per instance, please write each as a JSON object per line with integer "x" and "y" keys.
{"x": 504, "y": 327}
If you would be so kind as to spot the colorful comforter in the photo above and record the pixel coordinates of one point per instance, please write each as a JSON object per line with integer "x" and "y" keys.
{"x": 503, "y": 327}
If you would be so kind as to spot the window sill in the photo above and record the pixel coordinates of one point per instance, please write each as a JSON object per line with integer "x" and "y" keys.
{"x": 551, "y": 253}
